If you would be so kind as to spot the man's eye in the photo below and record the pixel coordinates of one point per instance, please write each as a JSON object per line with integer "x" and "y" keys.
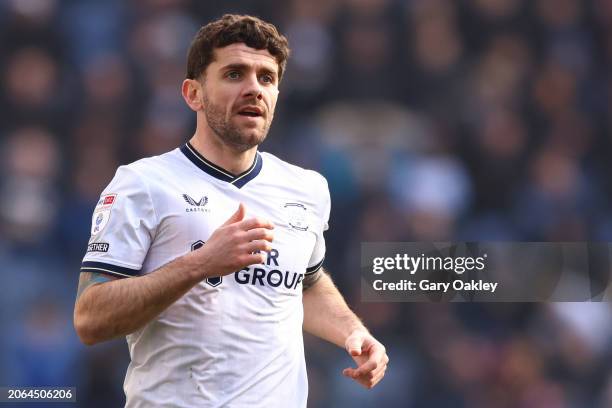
{"x": 233, "y": 75}
{"x": 268, "y": 79}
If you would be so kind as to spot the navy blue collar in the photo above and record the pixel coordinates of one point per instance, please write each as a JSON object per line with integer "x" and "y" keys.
{"x": 210, "y": 168}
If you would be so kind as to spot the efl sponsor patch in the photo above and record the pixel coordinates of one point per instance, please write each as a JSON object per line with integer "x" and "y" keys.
{"x": 102, "y": 213}
{"x": 106, "y": 202}
{"x": 98, "y": 247}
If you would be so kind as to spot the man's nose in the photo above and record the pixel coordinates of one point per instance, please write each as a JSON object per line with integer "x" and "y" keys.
{"x": 253, "y": 88}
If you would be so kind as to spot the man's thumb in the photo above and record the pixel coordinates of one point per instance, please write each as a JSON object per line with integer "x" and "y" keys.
{"x": 237, "y": 216}
{"x": 353, "y": 345}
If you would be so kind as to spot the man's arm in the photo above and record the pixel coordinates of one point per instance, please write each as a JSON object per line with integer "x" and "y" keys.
{"x": 326, "y": 315}
{"x": 107, "y": 308}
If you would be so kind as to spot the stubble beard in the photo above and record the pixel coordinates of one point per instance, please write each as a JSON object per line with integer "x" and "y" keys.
{"x": 231, "y": 135}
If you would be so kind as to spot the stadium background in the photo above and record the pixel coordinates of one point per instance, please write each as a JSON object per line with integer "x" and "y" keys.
{"x": 431, "y": 119}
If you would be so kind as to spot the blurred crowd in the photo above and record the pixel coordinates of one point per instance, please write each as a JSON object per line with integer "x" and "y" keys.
{"x": 484, "y": 120}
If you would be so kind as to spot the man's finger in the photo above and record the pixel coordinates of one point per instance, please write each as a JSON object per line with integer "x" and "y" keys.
{"x": 366, "y": 368}
{"x": 380, "y": 369}
{"x": 371, "y": 371}
{"x": 259, "y": 233}
{"x": 237, "y": 216}
{"x": 252, "y": 259}
{"x": 377, "y": 378}
{"x": 366, "y": 381}
{"x": 348, "y": 372}
{"x": 354, "y": 372}
{"x": 376, "y": 358}
{"x": 252, "y": 223}
{"x": 259, "y": 245}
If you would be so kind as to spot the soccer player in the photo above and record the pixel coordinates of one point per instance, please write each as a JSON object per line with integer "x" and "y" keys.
{"x": 208, "y": 258}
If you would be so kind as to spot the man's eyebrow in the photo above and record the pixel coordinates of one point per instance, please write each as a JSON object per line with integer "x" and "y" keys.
{"x": 240, "y": 67}
{"x": 237, "y": 66}
{"x": 270, "y": 71}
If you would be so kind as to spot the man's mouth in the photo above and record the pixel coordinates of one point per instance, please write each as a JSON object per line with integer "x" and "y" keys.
{"x": 251, "y": 111}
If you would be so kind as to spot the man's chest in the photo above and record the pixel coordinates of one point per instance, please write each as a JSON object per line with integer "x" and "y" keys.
{"x": 189, "y": 213}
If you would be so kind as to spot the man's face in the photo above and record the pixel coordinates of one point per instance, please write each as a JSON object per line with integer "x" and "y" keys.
{"x": 240, "y": 93}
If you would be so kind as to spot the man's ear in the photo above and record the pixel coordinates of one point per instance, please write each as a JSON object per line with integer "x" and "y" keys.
{"x": 192, "y": 94}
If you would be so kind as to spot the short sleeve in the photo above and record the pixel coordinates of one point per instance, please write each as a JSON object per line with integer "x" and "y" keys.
{"x": 123, "y": 225}
{"x": 322, "y": 225}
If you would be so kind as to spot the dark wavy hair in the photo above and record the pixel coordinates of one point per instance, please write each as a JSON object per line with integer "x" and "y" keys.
{"x": 234, "y": 28}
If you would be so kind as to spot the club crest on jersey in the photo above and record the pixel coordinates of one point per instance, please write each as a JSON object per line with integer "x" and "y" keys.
{"x": 102, "y": 213}
{"x": 297, "y": 216}
{"x": 196, "y": 205}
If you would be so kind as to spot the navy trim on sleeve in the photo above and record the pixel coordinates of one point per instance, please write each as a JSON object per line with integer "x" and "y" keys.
{"x": 101, "y": 267}
{"x": 314, "y": 268}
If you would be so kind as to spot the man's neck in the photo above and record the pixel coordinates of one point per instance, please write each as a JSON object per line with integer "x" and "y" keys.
{"x": 222, "y": 155}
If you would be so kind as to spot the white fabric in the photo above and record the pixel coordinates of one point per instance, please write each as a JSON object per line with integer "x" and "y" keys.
{"x": 236, "y": 344}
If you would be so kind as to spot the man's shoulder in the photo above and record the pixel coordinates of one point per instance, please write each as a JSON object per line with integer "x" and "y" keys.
{"x": 150, "y": 173}
{"x": 153, "y": 162}
{"x": 293, "y": 173}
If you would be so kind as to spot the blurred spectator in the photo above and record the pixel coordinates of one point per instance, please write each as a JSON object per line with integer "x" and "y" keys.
{"x": 29, "y": 195}
{"x": 35, "y": 89}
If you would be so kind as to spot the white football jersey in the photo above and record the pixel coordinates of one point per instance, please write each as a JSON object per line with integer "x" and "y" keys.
{"x": 234, "y": 341}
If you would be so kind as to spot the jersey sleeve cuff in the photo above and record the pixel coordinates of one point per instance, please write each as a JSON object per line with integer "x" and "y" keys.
{"x": 110, "y": 269}
{"x": 314, "y": 268}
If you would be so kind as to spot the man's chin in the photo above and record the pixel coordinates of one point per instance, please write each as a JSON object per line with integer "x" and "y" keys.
{"x": 249, "y": 140}
{"x": 254, "y": 140}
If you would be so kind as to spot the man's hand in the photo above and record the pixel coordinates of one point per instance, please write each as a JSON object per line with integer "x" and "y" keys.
{"x": 370, "y": 356}
{"x": 235, "y": 245}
